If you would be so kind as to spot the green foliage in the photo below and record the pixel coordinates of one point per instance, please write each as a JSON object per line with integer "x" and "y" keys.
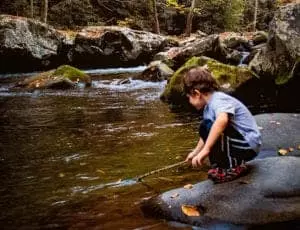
{"x": 233, "y": 17}
{"x": 173, "y": 3}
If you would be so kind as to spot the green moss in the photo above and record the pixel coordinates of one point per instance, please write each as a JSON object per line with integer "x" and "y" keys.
{"x": 175, "y": 87}
{"x": 71, "y": 73}
{"x": 230, "y": 77}
{"x": 283, "y": 78}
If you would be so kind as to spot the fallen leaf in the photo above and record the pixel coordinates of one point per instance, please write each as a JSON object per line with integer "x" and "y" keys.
{"x": 260, "y": 128}
{"x": 299, "y": 147}
{"x": 188, "y": 186}
{"x": 282, "y": 152}
{"x": 190, "y": 210}
{"x": 291, "y": 149}
{"x": 272, "y": 121}
{"x": 278, "y": 123}
{"x": 175, "y": 195}
{"x": 61, "y": 175}
{"x": 165, "y": 179}
{"x": 100, "y": 171}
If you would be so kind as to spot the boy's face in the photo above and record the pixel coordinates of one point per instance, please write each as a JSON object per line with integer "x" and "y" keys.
{"x": 196, "y": 99}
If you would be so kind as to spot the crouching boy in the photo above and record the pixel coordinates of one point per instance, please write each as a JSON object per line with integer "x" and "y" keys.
{"x": 229, "y": 135}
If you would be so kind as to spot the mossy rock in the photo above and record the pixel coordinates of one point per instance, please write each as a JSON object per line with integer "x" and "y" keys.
{"x": 62, "y": 78}
{"x": 284, "y": 78}
{"x": 230, "y": 78}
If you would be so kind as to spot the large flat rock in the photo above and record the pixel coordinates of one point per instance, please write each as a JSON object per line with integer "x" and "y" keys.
{"x": 269, "y": 193}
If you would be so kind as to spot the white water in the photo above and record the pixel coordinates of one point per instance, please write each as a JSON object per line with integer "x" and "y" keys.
{"x": 244, "y": 56}
{"x": 136, "y": 69}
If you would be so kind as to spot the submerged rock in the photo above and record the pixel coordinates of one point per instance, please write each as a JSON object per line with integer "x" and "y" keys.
{"x": 269, "y": 193}
{"x": 156, "y": 71}
{"x": 63, "y": 77}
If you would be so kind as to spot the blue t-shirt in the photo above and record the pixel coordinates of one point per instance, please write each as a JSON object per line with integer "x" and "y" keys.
{"x": 240, "y": 117}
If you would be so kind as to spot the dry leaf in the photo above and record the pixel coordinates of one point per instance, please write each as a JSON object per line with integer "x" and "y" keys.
{"x": 291, "y": 149}
{"x": 61, "y": 175}
{"x": 299, "y": 147}
{"x": 282, "y": 152}
{"x": 278, "y": 123}
{"x": 190, "y": 210}
{"x": 165, "y": 179}
{"x": 175, "y": 195}
{"x": 188, "y": 186}
{"x": 100, "y": 171}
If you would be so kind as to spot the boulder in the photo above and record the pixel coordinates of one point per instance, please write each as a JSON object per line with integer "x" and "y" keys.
{"x": 116, "y": 46}
{"x": 177, "y": 56}
{"x": 156, "y": 71}
{"x": 268, "y": 194}
{"x": 27, "y": 44}
{"x": 230, "y": 78}
{"x": 63, "y": 77}
{"x": 281, "y": 57}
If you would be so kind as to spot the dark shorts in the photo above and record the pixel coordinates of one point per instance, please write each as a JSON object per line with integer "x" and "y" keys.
{"x": 230, "y": 150}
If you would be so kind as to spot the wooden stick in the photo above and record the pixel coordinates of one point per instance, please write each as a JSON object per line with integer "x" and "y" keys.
{"x": 139, "y": 178}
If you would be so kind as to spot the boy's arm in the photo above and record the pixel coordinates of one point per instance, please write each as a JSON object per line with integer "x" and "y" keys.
{"x": 216, "y": 130}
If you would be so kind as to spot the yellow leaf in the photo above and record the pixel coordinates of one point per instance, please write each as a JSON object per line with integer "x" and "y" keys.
{"x": 282, "y": 152}
{"x": 61, "y": 175}
{"x": 190, "y": 210}
{"x": 188, "y": 186}
{"x": 100, "y": 171}
{"x": 291, "y": 149}
{"x": 165, "y": 179}
{"x": 175, "y": 195}
{"x": 299, "y": 147}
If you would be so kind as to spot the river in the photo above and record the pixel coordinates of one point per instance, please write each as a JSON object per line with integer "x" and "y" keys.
{"x": 59, "y": 151}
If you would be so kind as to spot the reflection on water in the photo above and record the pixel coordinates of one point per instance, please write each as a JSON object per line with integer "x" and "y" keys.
{"x": 60, "y": 150}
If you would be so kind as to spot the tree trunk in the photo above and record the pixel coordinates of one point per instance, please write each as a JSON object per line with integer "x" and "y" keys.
{"x": 157, "y": 29}
{"x": 31, "y": 8}
{"x": 44, "y": 11}
{"x": 255, "y": 15}
{"x": 189, "y": 21}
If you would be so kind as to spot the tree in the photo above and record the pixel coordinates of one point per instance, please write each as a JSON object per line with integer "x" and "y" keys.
{"x": 31, "y": 8}
{"x": 157, "y": 27}
{"x": 255, "y": 15}
{"x": 44, "y": 11}
{"x": 189, "y": 21}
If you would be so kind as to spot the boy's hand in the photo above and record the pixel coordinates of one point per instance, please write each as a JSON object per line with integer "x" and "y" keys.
{"x": 190, "y": 156}
{"x": 198, "y": 160}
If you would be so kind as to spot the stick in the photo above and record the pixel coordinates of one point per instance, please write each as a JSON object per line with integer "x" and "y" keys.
{"x": 139, "y": 178}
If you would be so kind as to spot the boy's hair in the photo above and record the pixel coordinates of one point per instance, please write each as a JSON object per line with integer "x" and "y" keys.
{"x": 201, "y": 79}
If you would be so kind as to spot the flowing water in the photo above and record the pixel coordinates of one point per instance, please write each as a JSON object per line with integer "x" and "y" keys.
{"x": 62, "y": 152}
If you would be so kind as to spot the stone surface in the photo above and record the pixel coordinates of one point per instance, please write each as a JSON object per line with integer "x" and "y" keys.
{"x": 269, "y": 193}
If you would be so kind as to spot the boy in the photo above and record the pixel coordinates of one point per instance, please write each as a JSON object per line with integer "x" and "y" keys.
{"x": 229, "y": 135}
